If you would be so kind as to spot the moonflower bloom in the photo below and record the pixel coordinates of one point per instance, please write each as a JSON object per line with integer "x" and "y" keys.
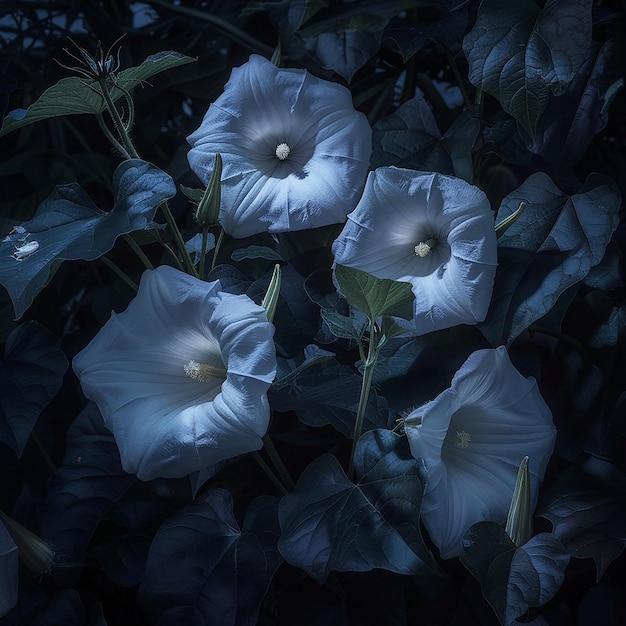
{"x": 433, "y": 231}
{"x": 295, "y": 152}
{"x": 472, "y": 438}
{"x": 181, "y": 376}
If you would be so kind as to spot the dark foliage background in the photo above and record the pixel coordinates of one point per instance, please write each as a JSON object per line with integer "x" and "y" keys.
{"x": 102, "y": 521}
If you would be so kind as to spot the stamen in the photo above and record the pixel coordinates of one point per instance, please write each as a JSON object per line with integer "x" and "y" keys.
{"x": 423, "y": 248}
{"x": 464, "y": 439}
{"x": 203, "y": 372}
{"x": 282, "y": 151}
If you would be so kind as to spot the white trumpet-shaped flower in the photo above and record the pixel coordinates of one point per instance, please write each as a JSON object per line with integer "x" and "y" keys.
{"x": 472, "y": 438}
{"x": 181, "y": 376}
{"x": 433, "y": 231}
{"x": 295, "y": 152}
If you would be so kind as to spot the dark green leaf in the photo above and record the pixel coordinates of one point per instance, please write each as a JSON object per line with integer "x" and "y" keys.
{"x": 329, "y": 523}
{"x": 552, "y": 246}
{"x": 256, "y": 252}
{"x": 514, "y": 579}
{"x": 519, "y": 53}
{"x": 71, "y": 96}
{"x": 31, "y": 374}
{"x": 587, "y": 507}
{"x": 67, "y": 226}
{"x": 203, "y": 569}
{"x": 84, "y": 489}
{"x": 8, "y": 571}
{"x": 375, "y": 296}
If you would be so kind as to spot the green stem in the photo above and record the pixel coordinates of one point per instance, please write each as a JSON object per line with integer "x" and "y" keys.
{"x": 178, "y": 238}
{"x": 109, "y": 135}
{"x": 459, "y": 78}
{"x": 366, "y": 384}
{"x": 278, "y": 463}
{"x": 139, "y": 252}
{"x": 117, "y": 121}
{"x": 218, "y": 245}
{"x": 238, "y": 35}
{"x": 205, "y": 236}
{"x": 270, "y": 474}
{"x": 121, "y": 273}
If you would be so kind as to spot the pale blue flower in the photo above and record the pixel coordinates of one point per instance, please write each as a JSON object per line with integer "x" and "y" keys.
{"x": 472, "y": 438}
{"x": 433, "y": 231}
{"x": 181, "y": 376}
{"x": 295, "y": 152}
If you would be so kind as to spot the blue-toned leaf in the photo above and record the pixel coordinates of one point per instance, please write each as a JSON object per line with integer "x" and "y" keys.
{"x": 552, "y": 246}
{"x": 68, "y": 226}
{"x": 8, "y": 571}
{"x": 202, "y": 569}
{"x": 123, "y": 559}
{"x": 571, "y": 120}
{"x": 255, "y": 252}
{"x": 70, "y": 96}
{"x": 329, "y": 523}
{"x": 587, "y": 507}
{"x": 519, "y": 52}
{"x": 31, "y": 374}
{"x": 514, "y": 579}
{"x": 84, "y": 489}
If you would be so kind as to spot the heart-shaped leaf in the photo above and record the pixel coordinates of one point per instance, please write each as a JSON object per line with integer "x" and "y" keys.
{"x": 203, "y": 569}
{"x": 552, "y": 246}
{"x": 519, "y": 52}
{"x": 68, "y": 226}
{"x": 71, "y": 96}
{"x": 329, "y": 523}
{"x": 587, "y": 509}
{"x": 31, "y": 374}
{"x": 375, "y": 296}
{"x": 514, "y": 579}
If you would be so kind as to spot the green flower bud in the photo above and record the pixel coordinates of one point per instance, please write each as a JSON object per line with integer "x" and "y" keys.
{"x": 271, "y": 297}
{"x": 208, "y": 209}
{"x": 519, "y": 521}
{"x": 34, "y": 553}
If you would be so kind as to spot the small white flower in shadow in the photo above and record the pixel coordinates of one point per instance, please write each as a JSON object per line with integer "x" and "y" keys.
{"x": 295, "y": 152}
{"x": 472, "y": 438}
{"x": 433, "y": 231}
{"x": 181, "y": 376}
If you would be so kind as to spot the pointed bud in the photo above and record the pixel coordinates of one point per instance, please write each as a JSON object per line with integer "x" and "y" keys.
{"x": 34, "y": 552}
{"x": 511, "y": 219}
{"x": 271, "y": 297}
{"x": 519, "y": 521}
{"x": 208, "y": 209}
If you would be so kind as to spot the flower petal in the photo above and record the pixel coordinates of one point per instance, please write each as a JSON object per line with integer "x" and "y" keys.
{"x": 165, "y": 422}
{"x": 401, "y": 209}
{"x": 472, "y": 438}
{"x": 262, "y": 106}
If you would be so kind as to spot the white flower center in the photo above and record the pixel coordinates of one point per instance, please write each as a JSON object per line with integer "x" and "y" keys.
{"x": 203, "y": 372}
{"x": 464, "y": 439}
{"x": 423, "y": 248}
{"x": 282, "y": 151}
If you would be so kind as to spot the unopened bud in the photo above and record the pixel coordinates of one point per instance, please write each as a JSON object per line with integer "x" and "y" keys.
{"x": 519, "y": 521}
{"x": 208, "y": 210}
{"x": 34, "y": 552}
{"x": 271, "y": 297}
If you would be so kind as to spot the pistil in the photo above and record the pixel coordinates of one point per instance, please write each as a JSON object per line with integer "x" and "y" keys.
{"x": 282, "y": 151}
{"x": 203, "y": 372}
{"x": 423, "y": 248}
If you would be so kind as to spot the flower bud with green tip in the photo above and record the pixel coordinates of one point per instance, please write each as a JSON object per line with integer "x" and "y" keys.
{"x": 34, "y": 552}
{"x": 208, "y": 209}
{"x": 519, "y": 521}
{"x": 271, "y": 297}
